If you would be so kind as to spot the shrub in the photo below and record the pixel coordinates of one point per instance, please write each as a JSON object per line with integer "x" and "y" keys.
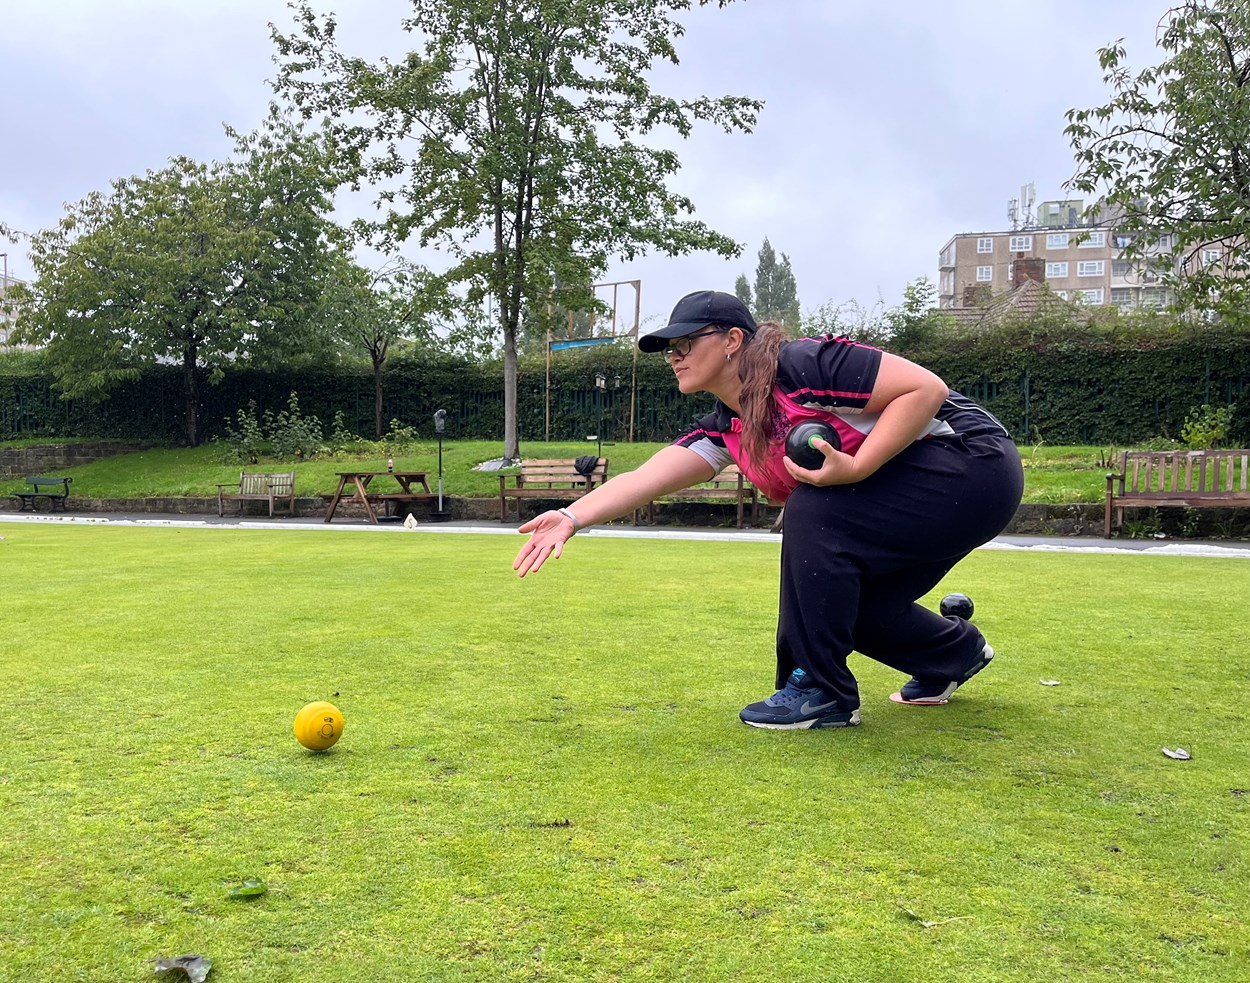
{"x": 245, "y": 444}
{"x": 294, "y": 435}
{"x": 1206, "y": 427}
{"x": 287, "y": 435}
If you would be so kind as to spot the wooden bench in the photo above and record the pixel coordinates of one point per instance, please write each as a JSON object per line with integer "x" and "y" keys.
{"x": 730, "y": 483}
{"x": 42, "y": 487}
{"x": 557, "y": 480}
{"x": 253, "y": 486}
{"x": 1193, "y": 479}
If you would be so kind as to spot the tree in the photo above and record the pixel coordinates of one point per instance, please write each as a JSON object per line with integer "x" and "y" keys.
{"x": 1172, "y": 151}
{"x": 372, "y": 310}
{"x": 205, "y": 265}
{"x": 916, "y": 319}
{"x": 776, "y": 294}
{"x": 742, "y": 290}
{"x": 511, "y": 139}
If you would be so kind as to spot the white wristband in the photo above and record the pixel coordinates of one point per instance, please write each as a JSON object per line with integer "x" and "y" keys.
{"x": 571, "y": 517}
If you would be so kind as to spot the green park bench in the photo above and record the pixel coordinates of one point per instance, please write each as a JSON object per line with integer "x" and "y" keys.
{"x": 44, "y": 487}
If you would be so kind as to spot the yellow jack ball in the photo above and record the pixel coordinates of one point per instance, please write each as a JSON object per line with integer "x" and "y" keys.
{"x": 318, "y": 725}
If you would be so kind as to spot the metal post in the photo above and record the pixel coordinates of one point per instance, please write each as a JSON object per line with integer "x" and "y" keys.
{"x": 601, "y": 383}
{"x": 633, "y": 375}
{"x": 440, "y": 423}
{"x": 1028, "y": 395}
{"x": 440, "y": 472}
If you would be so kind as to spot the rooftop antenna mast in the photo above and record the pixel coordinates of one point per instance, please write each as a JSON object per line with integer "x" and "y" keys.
{"x": 1013, "y": 213}
{"x": 1028, "y": 197}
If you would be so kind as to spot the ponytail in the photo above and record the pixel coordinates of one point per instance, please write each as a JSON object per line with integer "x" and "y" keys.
{"x": 758, "y": 372}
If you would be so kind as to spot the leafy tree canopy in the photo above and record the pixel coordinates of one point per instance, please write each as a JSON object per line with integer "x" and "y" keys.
{"x": 202, "y": 265}
{"x": 1171, "y": 149}
{"x": 511, "y": 138}
{"x": 370, "y": 311}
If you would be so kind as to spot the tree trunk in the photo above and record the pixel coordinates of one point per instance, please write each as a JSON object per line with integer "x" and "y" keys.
{"x": 511, "y": 442}
{"x": 191, "y": 392}
{"x": 377, "y": 397}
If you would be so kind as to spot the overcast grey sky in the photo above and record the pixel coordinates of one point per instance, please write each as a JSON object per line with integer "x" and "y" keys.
{"x": 888, "y": 126}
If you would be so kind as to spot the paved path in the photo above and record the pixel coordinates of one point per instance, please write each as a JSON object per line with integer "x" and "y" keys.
{"x": 1149, "y": 547}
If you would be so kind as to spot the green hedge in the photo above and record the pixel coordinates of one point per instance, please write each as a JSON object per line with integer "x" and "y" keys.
{"x": 1071, "y": 387}
{"x": 1063, "y": 387}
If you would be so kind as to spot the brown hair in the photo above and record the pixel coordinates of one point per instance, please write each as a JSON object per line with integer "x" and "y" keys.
{"x": 758, "y": 372}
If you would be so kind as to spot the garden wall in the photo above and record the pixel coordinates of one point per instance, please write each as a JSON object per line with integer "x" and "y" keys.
{"x": 18, "y": 462}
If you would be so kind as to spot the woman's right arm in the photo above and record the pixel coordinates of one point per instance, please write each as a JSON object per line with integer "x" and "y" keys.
{"x": 666, "y": 471}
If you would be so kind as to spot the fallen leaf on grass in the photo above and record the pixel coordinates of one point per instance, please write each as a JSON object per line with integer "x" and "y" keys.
{"x": 1049, "y": 682}
{"x": 251, "y": 888}
{"x": 1180, "y": 754}
{"x": 195, "y": 967}
{"x": 925, "y": 923}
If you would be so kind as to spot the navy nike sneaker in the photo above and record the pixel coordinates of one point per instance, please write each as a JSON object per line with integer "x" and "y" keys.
{"x": 798, "y": 706}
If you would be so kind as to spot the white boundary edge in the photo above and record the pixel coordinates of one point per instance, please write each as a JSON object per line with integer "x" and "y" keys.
{"x": 1082, "y": 546}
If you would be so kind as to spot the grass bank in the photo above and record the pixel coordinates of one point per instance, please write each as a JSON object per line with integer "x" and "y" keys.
{"x": 1055, "y": 475}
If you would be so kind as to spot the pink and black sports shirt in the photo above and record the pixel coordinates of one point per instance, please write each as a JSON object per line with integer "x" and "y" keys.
{"x": 828, "y": 379}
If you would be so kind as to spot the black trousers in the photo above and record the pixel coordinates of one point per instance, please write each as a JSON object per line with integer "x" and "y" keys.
{"x": 855, "y": 558}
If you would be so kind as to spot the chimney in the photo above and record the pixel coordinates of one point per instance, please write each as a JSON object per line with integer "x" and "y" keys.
{"x": 976, "y": 294}
{"x": 1032, "y": 268}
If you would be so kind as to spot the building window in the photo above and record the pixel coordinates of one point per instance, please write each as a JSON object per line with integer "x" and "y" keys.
{"x": 1091, "y": 267}
{"x": 1021, "y": 244}
{"x": 1124, "y": 240}
{"x": 1210, "y": 256}
{"x": 1121, "y": 268}
{"x": 1152, "y": 298}
{"x": 1061, "y": 294}
{"x": 985, "y": 273}
{"x": 1092, "y": 296}
{"x": 1056, "y": 270}
{"x": 1123, "y": 296}
{"x": 985, "y": 244}
{"x": 944, "y": 259}
{"x": 1094, "y": 240}
{"x": 1057, "y": 240}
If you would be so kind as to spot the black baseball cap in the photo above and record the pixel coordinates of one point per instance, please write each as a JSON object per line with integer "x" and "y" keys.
{"x": 698, "y": 310}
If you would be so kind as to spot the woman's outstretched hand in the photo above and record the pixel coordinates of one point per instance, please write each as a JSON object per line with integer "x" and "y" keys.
{"x": 550, "y": 531}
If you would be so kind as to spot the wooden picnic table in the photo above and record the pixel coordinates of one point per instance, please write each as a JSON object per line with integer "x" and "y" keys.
{"x": 359, "y": 490}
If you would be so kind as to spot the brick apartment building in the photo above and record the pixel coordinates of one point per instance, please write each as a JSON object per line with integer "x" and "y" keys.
{"x": 1079, "y": 259}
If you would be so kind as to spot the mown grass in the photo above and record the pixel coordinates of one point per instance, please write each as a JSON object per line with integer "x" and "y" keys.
{"x": 1052, "y": 474}
{"x": 546, "y": 780}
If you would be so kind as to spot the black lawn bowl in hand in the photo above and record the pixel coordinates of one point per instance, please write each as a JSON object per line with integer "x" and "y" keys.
{"x": 959, "y": 605}
{"x": 799, "y": 448}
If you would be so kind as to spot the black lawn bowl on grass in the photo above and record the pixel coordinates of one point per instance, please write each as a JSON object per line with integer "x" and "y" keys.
{"x": 956, "y": 605}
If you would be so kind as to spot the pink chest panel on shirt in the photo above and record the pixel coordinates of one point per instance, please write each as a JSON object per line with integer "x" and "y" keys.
{"x": 773, "y": 479}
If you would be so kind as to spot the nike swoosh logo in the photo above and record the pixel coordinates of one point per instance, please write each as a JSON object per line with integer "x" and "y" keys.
{"x": 807, "y": 707}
